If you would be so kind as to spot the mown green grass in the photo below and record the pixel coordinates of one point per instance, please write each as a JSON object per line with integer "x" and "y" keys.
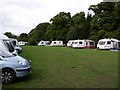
{"x": 63, "y": 67}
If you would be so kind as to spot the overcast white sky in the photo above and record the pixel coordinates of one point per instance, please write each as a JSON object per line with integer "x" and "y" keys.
{"x": 21, "y": 16}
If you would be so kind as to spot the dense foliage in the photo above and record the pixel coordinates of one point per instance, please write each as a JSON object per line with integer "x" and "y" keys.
{"x": 103, "y": 24}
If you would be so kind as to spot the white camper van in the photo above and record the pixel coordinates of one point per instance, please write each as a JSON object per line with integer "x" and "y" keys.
{"x": 70, "y": 42}
{"x": 56, "y": 43}
{"x": 44, "y": 43}
{"x": 108, "y": 44}
{"x": 8, "y": 44}
{"x": 11, "y": 66}
{"x": 83, "y": 44}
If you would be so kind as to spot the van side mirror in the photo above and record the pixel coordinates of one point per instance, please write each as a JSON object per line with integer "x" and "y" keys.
{"x": 1, "y": 58}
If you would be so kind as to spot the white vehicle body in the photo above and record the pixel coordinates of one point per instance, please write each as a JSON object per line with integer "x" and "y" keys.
{"x": 22, "y": 43}
{"x": 56, "y": 43}
{"x": 8, "y": 44}
{"x": 70, "y": 42}
{"x": 83, "y": 44}
{"x": 2, "y": 46}
{"x": 108, "y": 44}
{"x": 44, "y": 43}
{"x": 12, "y": 66}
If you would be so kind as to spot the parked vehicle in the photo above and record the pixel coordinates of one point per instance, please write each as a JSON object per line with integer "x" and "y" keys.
{"x": 108, "y": 44}
{"x": 70, "y": 42}
{"x": 22, "y": 43}
{"x": 16, "y": 45}
{"x": 83, "y": 44}
{"x": 44, "y": 43}
{"x": 56, "y": 43}
{"x": 8, "y": 44}
{"x": 12, "y": 66}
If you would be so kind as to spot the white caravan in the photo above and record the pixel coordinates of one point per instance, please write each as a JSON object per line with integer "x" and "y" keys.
{"x": 85, "y": 43}
{"x": 44, "y": 43}
{"x": 108, "y": 44}
{"x": 70, "y": 42}
{"x": 56, "y": 43}
{"x": 22, "y": 43}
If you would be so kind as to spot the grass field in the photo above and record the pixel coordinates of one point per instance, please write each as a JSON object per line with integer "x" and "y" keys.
{"x": 63, "y": 67}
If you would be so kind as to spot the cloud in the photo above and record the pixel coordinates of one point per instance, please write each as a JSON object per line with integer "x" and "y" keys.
{"x": 18, "y": 16}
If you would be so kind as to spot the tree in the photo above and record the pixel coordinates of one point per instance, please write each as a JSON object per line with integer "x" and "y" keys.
{"x": 80, "y": 26}
{"x": 10, "y": 35}
{"x": 59, "y": 27}
{"x": 23, "y": 37}
{"x": 37, "y": 34}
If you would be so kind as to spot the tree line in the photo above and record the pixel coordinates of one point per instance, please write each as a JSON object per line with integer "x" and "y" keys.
{"x": 103, "y": 24}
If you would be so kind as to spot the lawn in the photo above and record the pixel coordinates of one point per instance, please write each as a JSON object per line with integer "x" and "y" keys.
{"x": 63, "y": 67}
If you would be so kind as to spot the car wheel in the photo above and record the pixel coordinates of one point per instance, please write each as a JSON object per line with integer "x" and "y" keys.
{"x": 8, "y": 76}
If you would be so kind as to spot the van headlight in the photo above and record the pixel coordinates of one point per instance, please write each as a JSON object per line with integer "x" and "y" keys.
{"x": 21, "y": 62}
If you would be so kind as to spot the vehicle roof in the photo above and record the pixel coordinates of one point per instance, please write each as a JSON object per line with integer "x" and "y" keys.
{"x": 3, "y": 36}
{"x": 108, "y": 39}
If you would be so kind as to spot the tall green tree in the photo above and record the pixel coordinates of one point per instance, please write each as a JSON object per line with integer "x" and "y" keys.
{"x": 23, "y": 37}
{"x": 80, "y": 26}
{"x": 59, "y": 27}
{"x": 37, "y": 34}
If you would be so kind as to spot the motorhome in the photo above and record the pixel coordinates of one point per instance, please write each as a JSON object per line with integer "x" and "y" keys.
{"x": 85, "y": 43}
{"x": 56, "y": 43}
{"x": 12, "y": 66}
{"x": 70, "y": 42}
{"x": 44, "y": 43}
{"x": 108, "y": 44}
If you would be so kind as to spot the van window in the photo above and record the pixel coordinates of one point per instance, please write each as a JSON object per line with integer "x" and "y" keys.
{"x": 54, "y": 42}
{"x": 108, "y": 42}
{"x": 14, "y": 43}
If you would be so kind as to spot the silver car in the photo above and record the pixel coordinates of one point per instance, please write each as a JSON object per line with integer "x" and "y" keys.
{"x": 13, "y": 66}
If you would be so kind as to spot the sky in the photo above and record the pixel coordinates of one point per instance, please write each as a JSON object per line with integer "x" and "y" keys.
{"x": 21, "y": 16}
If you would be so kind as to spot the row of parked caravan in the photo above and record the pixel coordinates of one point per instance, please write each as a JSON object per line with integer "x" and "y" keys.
{"x": 85, "y": 43}
{"x": 11, "y": 64}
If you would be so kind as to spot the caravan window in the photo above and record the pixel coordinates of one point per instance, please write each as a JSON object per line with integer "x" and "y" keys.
{"x": 80, "y": 42}
{"x": 91, "y": 43}
{"x": 102, "y": 43}
{"x": 75, "y": 42}
{"x": 54, "y": 42}
{"x": 108, "y": 42}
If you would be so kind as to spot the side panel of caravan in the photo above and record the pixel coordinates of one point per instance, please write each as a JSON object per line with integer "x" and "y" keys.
{"x": 104, "y": 44}
{"x": 78, "y": 44}
{"x": 56, "y": 43}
